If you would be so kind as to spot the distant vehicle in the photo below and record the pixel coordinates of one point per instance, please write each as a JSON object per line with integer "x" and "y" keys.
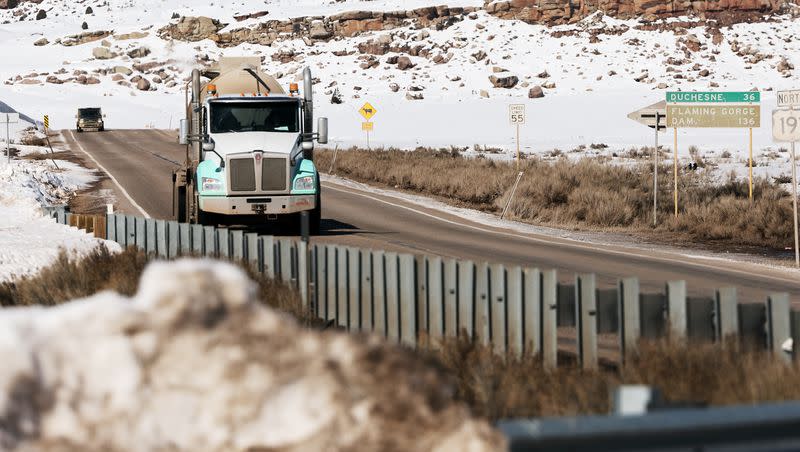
{"x": 90, "y": 118}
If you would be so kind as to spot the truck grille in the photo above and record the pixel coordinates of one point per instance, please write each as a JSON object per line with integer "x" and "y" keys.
{"x": 273, "y": 174}
{"x": 243, "y": 174}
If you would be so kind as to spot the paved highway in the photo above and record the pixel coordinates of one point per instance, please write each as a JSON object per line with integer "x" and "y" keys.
{"x": 141, "y": 162}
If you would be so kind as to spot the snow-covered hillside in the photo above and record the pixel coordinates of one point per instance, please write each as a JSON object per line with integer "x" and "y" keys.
{"x": 593, "y": 72}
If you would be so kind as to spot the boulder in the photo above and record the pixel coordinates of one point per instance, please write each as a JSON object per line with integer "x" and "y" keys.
{"x": 143, "y": 84}
{"x": 41, "y": 42}
{"x": 132, "y": 35}
{"x": 42, "y": 14}
{"x": 122, "y": 70}
{"x": 504, "y": 80}
{"x": 8, "y": 4}
{"x": 394, "y": 87}
{"x": 192, "y": 29}
{"x": 103, "y": 53}
{"x": 139, "y": 52}
{"x": 318, "y": 31}
{"x": 404, "y": 63}
{"x": 536, "y": 92}
{"x": 414, "y": 95}
{"x": 89, "y": 10}
{"x": 84, "y": 38}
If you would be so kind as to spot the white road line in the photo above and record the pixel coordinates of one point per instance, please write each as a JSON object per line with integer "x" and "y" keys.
{"x": 577, "y": 246}
{"x": 114, "y": 179}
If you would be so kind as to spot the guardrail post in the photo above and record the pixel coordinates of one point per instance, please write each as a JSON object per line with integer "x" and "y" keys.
{"x": 379, "y": 293}
{"x": 466, "y": 298}
{"x": 111, "y": 228}
{"x": 532, "y": 311}
{"x": 141, "y": 233}
{"x": 197, "y": 239}
{"x": 185, "y": 231}
{"x": 251, "y": 250}
{"x": 497, "y": 306}
{"x": 130, "y": 230}
{"x": 629, "y": 316}
{"x": 676, "y": 308}
{"x": 435, "y": 301}
{"x": 173, "y": 239}
{"x": 341, "y": 286}
{"x": 302, "y": 266}
{"x": 285, "y": 253}
{"x": 366, "y": 290}
{"x": 353, "y": 280}
{"x": 515, "y": 311}
{"x": 224, "y": 243}
{"x": 210, "y": 241}
{"x": 779, "y": 324}
{"x": 451, "y": 298}
{"x": 421, "y": 292}
{"x": 408, "y": 300}
{"x": 121, "y": 230}
{"x": 726, "y": 313}
{"x": 549, "y": 319}
{"x": 392, "y": 298}
{"x": 320, "y": 281}
{"x": 586, "y": 317}
{"x": 330, "y": 285}
{"x": 237, "y": 245}
{"x": 150, "y": 240}
{"x": 482, "y": 296}
{"x": 268, "y": 256}
{"x": 161, "y": 239}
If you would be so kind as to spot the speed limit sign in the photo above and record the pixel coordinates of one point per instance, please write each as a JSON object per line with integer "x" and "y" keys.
{"x": 516, "y": 114}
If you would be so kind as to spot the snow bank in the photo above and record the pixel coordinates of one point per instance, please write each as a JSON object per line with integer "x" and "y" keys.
{"x": 194, "y": 362}
{"x": 28, "y": 239}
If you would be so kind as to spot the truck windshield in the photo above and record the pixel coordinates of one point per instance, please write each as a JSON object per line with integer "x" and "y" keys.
{"x": 91, "y": 113}
{"x": 229, "y": 117}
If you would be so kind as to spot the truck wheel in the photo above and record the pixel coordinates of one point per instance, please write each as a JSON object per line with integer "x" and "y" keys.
{"x": 80, "y": 130}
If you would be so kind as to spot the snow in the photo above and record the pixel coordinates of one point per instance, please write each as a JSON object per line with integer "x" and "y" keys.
{"x": 586, "y": 106}
{"x": 30, "y": 241}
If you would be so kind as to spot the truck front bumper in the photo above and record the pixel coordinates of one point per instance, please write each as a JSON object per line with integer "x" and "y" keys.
{"x": 257, "y": 205}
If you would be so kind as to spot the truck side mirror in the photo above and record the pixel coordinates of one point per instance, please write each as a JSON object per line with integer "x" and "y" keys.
{"x": 322, "y": 130}
{"x": 183, "y": 132}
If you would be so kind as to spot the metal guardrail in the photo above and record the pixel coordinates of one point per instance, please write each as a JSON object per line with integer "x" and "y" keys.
{"x": 770, "y": 427}
{"x": 513, "y": 309}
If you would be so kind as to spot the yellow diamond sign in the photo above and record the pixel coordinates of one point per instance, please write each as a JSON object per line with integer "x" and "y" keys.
{"x": 368, "y": 111}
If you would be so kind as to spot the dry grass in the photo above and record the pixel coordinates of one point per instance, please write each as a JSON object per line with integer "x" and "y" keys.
{"x": 492, "y": 386}
{"x": 702, "y": 374}
{"x": 582, "y": 195}
{"x": 69, "y": 278}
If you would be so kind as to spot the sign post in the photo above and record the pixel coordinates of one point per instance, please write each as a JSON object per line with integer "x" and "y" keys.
{"x": 368, "y": 111}
{"x": 652, "y": 117}
{"x": 713, "y": 110}
{"x": 8, "y": 119}
{"x": 516, "y": 116}
{"x": 786, "y": 128}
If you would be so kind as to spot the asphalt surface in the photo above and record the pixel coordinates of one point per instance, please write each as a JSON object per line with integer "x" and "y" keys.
{"x": 141, "y": 163}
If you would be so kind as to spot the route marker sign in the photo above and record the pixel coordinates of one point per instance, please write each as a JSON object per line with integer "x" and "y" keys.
{"x": 368, "y": 111}
{"x": 789, "y": 98}
{"x": 786, "y": 126}
{"x": 716, "y": 116}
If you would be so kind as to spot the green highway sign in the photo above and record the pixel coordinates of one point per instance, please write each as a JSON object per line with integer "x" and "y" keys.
{"x": 723, "y": 116}
{"x": 681, "y": 97}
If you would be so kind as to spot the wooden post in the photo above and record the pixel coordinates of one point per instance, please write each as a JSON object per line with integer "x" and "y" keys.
{"x": 675, "y": 172}
{"x": 751, "y": 164}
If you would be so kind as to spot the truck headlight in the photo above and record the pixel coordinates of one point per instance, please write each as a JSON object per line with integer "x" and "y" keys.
{"x": 304, "y": 183}
{"x": 210, "y": 184}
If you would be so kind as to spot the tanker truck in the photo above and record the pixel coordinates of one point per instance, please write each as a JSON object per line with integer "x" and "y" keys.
{"x": 249, "y": 149}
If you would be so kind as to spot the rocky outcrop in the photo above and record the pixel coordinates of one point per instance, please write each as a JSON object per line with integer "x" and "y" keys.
{"x": 554, "y": 12}
{"x": 194, "y": 362}
{"x": 83, "y": 38}
{"x": 345, "y": 24}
